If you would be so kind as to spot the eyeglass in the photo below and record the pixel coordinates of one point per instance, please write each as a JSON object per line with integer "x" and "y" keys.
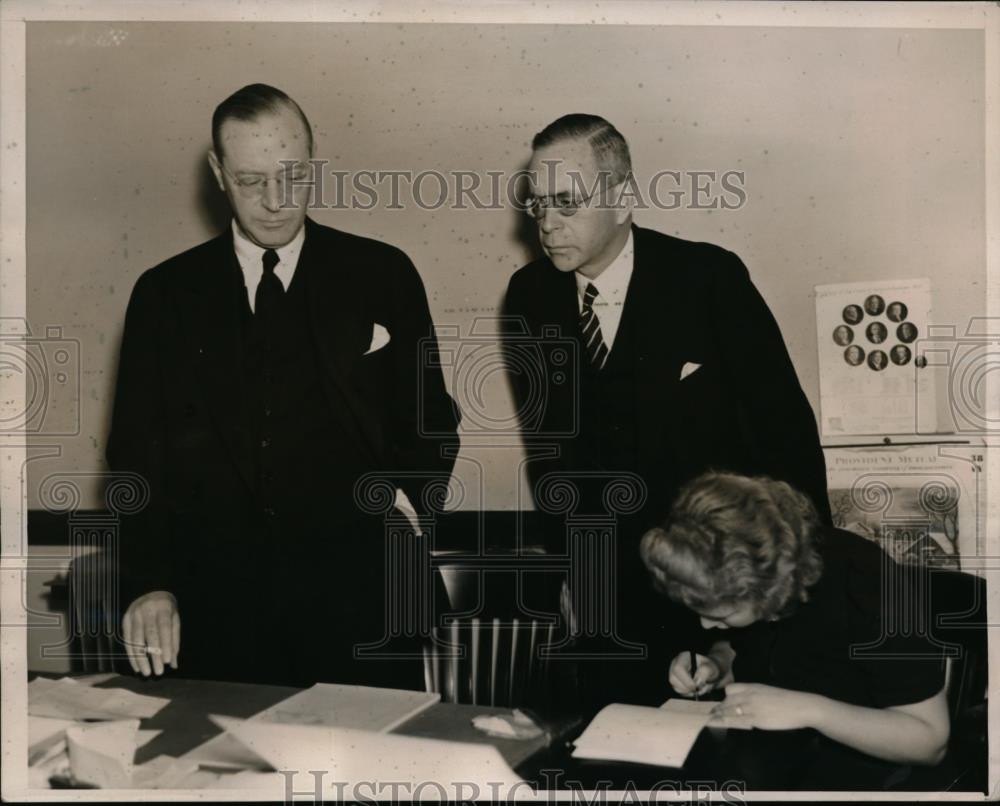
{"x": 256, "y": 184}
{"x": 566, "y": 205}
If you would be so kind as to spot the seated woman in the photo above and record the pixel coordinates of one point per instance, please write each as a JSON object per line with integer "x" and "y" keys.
{"x": 806, "y": 642}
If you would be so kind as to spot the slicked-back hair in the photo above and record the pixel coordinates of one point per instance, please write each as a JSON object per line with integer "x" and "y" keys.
{"x": 732, "y": 540}
{"x": 249, "y": 103}
{"x": 607, "y": 144}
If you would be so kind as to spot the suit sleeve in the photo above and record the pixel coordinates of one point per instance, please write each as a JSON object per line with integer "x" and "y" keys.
{"x": 515, "y": 327}
{"x": 523, "y": 367}
{"x": 136, "y": 446}
{"x": 778, "y": 422}
{"x": 424, "y": 427}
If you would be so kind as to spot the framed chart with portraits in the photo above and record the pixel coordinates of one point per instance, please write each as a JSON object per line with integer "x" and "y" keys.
{"x": 870, "y": 368}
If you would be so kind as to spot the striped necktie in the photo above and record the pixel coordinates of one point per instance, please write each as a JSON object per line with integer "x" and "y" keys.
{"x": 593, "y": 342}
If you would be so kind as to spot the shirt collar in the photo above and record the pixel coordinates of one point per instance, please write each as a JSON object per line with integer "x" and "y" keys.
{"x": 250, "y": 253}
{"x": 612, "y": 283}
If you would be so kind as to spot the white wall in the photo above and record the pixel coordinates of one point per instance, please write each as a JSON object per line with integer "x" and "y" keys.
{"x": 863, "y": 151}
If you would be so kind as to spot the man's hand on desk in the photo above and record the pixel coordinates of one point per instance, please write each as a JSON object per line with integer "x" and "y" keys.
{"x": 151, "y": 628}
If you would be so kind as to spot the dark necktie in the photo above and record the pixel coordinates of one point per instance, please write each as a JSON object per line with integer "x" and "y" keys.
{"x": 593, "y": 342}
{"x": 270, "y": 291}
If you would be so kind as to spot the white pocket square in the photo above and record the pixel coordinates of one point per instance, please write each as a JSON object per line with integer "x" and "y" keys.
{"x": 688, "y": 368}
{"x": 380, "y": 338}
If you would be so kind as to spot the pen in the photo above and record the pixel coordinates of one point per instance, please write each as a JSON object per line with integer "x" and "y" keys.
{"x": 694, "y": 669}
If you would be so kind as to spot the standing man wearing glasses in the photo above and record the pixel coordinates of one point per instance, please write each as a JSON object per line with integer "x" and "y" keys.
{"x": 262, "y": 374}
{"x": 660, "y": 388}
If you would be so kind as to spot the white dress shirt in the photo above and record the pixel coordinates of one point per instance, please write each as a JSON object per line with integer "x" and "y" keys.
{"x": 250, "y": 257}
{"x": 611, "y": 285}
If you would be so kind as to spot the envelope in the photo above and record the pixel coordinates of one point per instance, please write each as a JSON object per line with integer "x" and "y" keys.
{"x": 688, "y": 368}
{"x": 380, "y": 338}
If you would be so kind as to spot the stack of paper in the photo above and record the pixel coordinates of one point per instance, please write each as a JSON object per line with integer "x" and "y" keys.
{"x": 661, "y": 736}
{"x": 326, "y": 704}
{"x": 359, "y": 707}
{"x": 66, "y": 699}
{"x": 101, "y": 753}
{"x": 43, "y": 734}
{"x": 95, "y": 753}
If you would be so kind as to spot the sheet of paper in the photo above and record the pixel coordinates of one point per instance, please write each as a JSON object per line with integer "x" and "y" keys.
{"x": 93, "y": 679}
{"x": 65, "y": 699}
{"x": 52, "y": 762}
{"x": 660, "y": 736}
{"x": 101, "y": 753}
{"x": 353, "y": 756}
{"x": 326, "y": 704}
{"x": 43, "y": 732}
{"x": 341, "y": 706}
{"x": 681, "y": 706}
{"x": 163, "y": 772}
{"x": 704, "y": 707}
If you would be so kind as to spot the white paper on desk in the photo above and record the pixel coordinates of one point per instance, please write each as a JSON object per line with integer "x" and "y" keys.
{"x": 331, "y": 705}
{"x": 163, "y": 772}
{"x": 341, "y": 706}
{"x": 43, "y": 732}
{"x": 634, "y": 733}
{"x": 101, "y": 753}
{"x": 354, "y": 756}
{"x": 679, "y": 706}
{"x": 705, "y": 707}
{"x": 54, "y": 761}
{"x": 64, "y": 699}
{"x": 92, "y": 679}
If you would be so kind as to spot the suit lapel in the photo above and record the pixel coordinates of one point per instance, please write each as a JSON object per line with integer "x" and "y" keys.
{"x": 567, "y": 304}
{"x": 341, "y": 329}
{"x": 649, "y": 305}
{"x": 210, "y": 308}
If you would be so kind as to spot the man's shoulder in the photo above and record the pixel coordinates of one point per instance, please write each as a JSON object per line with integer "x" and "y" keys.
{"x": 681, "y": 253}
{"x": 534, "y": 284}
{"x": 347, "y": 244}
{"x": 538, "y": 271}
{"x": 184, "y": 262}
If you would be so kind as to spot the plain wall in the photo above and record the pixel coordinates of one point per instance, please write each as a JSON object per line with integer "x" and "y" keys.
{"x": 863, "y": 153}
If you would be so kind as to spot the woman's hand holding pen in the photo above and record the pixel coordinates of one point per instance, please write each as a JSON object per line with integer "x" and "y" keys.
{"x": 693, "y": 675}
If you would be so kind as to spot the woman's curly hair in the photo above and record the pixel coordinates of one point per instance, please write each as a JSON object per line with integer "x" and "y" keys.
{"x": 731, "y": 540}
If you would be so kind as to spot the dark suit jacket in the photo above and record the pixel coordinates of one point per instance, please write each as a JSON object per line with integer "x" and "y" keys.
{"x": 178, "y": 400}
{"x": 743, "y": 410}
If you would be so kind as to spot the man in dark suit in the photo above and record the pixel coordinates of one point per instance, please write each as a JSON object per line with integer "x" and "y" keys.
{"x": 680, "y": 367}
{"x": 263, "y": 374}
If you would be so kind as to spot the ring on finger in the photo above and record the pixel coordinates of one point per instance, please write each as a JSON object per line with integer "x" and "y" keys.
{"x": 154, "y": 650}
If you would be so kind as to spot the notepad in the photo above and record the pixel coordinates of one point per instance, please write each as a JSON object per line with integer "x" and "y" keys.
{"x": 659, "y": 736}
